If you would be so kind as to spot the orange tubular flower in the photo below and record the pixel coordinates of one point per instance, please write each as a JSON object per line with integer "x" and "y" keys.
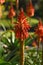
{"x": 11, "y": 12}
{"x": 39, "y": 30}
{"x": 21, "y": 28}
{"x": 30, "y": 9}
{"x": 2, "y": 1}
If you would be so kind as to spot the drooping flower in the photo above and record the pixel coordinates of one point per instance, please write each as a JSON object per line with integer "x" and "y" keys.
{"x": 30, "y": 9}
{"x": 39, "y": 30}
{"x": 12, "y": 12}
{"x": 2, "y": 1}
{"x": 22, "y": 27}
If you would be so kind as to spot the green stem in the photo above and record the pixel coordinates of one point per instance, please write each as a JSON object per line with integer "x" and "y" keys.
{"x": 17, "y": 7}
{"x": 12, "y": 20}
{"x": 29, "y": 20}
{"x": 21, "y": 53}
{"x": 42, "y": 54}
{"x": 0, "y": 11}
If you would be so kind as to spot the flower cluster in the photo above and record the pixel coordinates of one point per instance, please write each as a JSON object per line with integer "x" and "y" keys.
{"x": 22, "y": 27}
{"x": 39, "y": 30}
{"x": 30, "y": 9}
{"x": 2, "y": 1}
{"x": 11, "y": 12}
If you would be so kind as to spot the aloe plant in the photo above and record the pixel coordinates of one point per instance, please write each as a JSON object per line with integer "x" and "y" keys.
{"x": 14, "y": 55}
{"x": 11, "y": 43}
